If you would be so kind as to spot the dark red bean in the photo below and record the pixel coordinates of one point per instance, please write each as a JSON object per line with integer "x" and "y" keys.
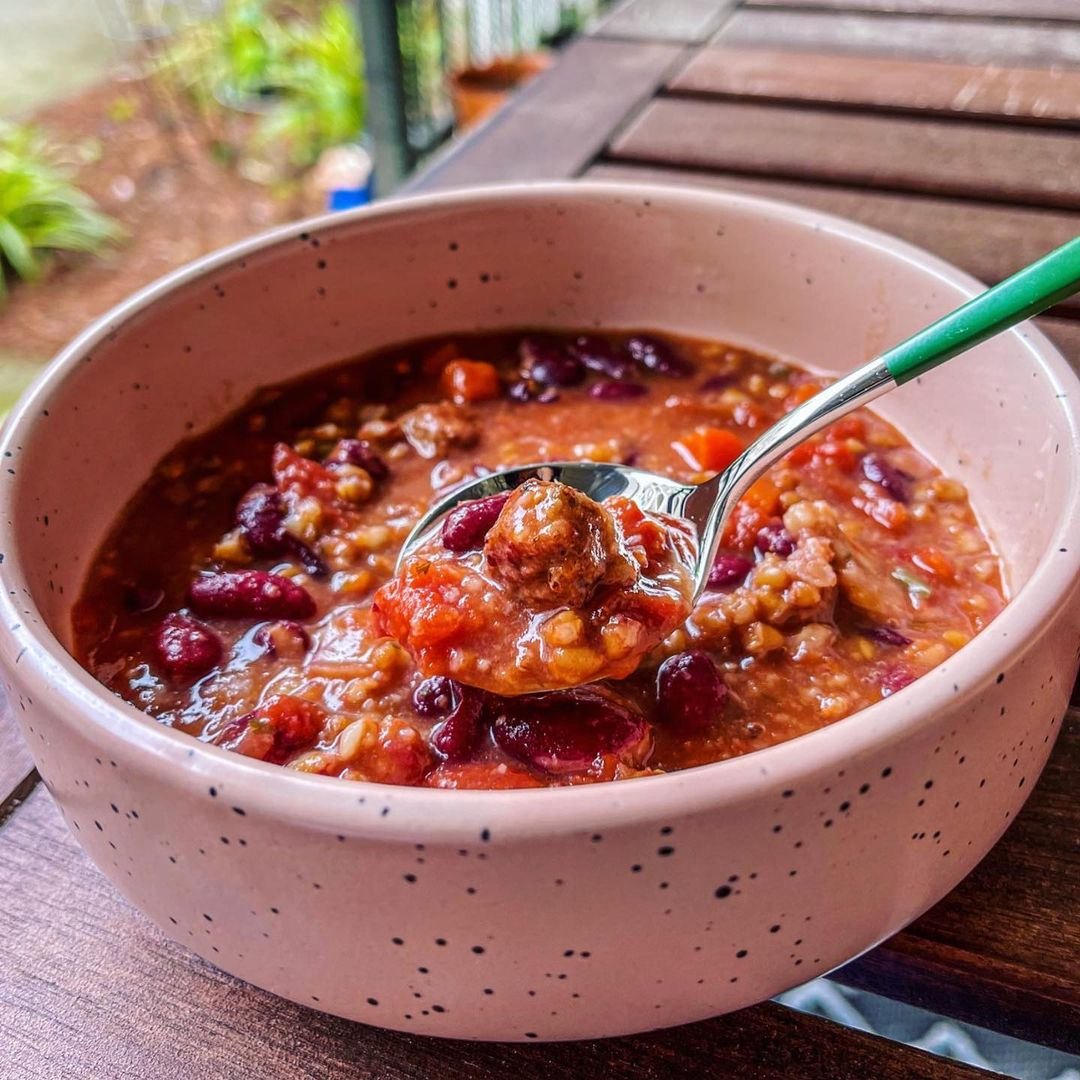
{"x": 603, "y": 356}
{"x": 893, "y": 481}
{"x": 361, "y": 453}
{"x": 309, "y": 559}
{"x": 690, "y": 693}
{"x": 185, "y": 648}
{"x": 285, "y": 638}
{"x": 260, "y": 514}
{"x": 250, "y": 594}
{"x": 729, "y": 569}
{"x": 465, "y": 527}
{"x": 894, "y": 678}
{"x": 520, "y": 390}
{"x": 613, "y": 390}
{"x": 548, "y": 396}
{"x": 434, "y": 697}
{"x": 884, "y": 635}
{"x": 545, "y": 361}
{"x": 775, "y": 538}
{"x": 456, "y": 736}
{"x": 567, "y": 731}
{"x": 657, "y": 356}
{"x": 718, "y": 382}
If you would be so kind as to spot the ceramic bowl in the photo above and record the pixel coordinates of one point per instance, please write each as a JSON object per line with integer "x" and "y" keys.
{"x": 562, "y": 913}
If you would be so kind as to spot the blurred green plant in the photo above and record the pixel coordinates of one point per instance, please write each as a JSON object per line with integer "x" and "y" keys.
{"x": 41, "y": 210}
{"x": 299, "y": 67}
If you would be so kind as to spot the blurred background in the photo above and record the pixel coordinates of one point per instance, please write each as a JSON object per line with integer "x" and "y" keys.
{"x": 136, "y": 135}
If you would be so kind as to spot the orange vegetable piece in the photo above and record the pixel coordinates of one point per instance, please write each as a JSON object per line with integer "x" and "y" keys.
{"x": 709, "y": 448}
{"x": 763, "y": 495}
{"x": 470, "y": 380}
{"x": 801, "y": 393}
{"x": 934, "y": 562}
{"x": 851, "y": 427}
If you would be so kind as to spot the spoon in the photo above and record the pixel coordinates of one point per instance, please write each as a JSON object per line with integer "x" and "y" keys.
{"x": 707, "y": 505}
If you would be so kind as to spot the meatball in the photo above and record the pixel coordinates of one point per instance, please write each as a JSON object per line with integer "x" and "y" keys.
{"x": 432, "y": 429}
{"x": 554, "y": 546}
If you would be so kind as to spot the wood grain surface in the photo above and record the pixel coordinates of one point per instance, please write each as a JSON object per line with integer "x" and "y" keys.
{"x": 89, "y": 990}
{"x": 985, "y": 9}
{"x": 554, "y": 126}
{"x": 970, "y": 40}
{"x": 688, "y": 21}
{"x": 940, "y": 157}
{"x": 1040, "y": 95}
{"x": 990, "y": 241}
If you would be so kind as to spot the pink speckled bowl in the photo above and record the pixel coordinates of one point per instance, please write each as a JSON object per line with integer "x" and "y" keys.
{"x": 547, "y": 914}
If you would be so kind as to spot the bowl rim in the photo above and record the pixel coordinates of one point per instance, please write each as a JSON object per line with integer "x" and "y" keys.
{"x": 393, "y": 813}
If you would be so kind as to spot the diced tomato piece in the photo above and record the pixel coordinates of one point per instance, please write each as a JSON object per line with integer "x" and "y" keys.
{"x": 709, "y": 448}
{"x": 838, "y": 454}
{"x": 883, "y": 510}
{"x": 742, "y": 527}
{"x": 763, "y": 495}
{"x": 851, "y": 427}
{"x": 470, "y": 380}
{"x": 302, "y": 477}
{"x": 802, "y": 454}
{"x": 481, "y": 775}
{"x": 934, "y": 562}
{"x": 274, "y": 730}
{"x": 426, "y": 606}
{"x": 800, "y": 394}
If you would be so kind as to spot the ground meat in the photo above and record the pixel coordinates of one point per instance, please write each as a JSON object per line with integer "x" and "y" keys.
{"x": 433, "y": 429}
{"x": 554, "y": 545}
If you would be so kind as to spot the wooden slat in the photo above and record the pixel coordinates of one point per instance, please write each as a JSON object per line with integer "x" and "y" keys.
{"x": 1001, "y": 949}
{"x": 15, "y": 763}
{"x": 687, "y": 21}
{"x": 1065, "y": 334}
{"x": 560, "y": 120}
{"x": 988, "y": 241}
{"x": 936, "y": 156}
{"x": 986, "y": 9}
{"x": 89, "y": 989}
{"x": 973, "y": 41}
{"x": 1008, "y": 93}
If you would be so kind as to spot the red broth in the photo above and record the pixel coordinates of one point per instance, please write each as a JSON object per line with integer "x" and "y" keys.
{"x": 234, "y": 597}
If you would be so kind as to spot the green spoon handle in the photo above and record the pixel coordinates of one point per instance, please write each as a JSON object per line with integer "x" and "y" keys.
{"x": 1026, "y": 293}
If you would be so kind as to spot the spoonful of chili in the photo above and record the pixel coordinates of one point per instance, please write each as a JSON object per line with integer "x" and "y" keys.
{"x": 554, "y": 575}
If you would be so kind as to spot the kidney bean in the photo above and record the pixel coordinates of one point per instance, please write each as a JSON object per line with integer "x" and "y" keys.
{"x": 456, "y": 736}
{"x": 729, "y": 569}
{"x": 614, "y": 390}
{"x": 658, "y": 357}
{"x": 603, "y": 356}
{"x": 260, "y": 514}
{"x": 893, "y": 481}
{"x": 142, "y": 598}
{"x": 546, "y": 362}
{"x": 520, "y": 391}
{"x": 465, "y": 527}
{"x": 185, "y": 648}
{"x": 309, "y": 559}
{"x": 775, "y": 538}
{"x": 884, "y": 635}
{"x": 285, "y": 638}
{"x": 361, "y": 453}
{"x": 566, "y": 731}
{"x": 690, "y": 693}
{"x": 250, "y": 594}
{"x": 718, "y": 382}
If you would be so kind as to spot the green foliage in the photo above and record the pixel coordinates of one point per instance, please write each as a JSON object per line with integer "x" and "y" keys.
{"x": 301, "y": 70}
{"x": 41, "y": 210}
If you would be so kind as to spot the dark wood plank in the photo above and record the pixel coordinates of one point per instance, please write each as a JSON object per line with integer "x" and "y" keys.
{"x": 687, "y": 21}
{"x": 989, "y": 241}
{"x": 89, "y": 989}
{"x": 1065, "y": 334}
{"x": 15, "y": 763}
{"x": 973, "y": 41}
{"x": 926, "y": 86}
{"x": 939, "y": 157}
{"x": 985, "y": 9}
{"x": 1001, "y": 949}
{"x": 556, "y": 125}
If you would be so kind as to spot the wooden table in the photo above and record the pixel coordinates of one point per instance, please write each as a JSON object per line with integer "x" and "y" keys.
{"x": 948, "y": 122}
